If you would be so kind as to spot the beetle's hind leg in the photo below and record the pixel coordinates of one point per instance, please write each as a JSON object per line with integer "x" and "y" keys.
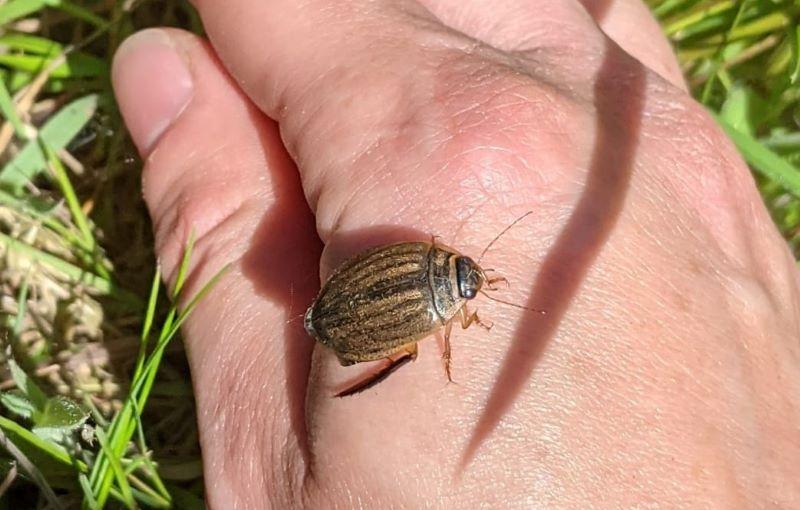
{"x": 407, "y": 354}
{"x": 446, "y": 353}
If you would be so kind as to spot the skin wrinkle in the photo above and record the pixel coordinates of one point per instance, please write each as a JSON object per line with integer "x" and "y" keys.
{"x": 361, "y": 188}
{"x": 174, "y": 228}
{"x": 539, "y": 100}
{"x": 181, "y": 209}
{"x": 252, "y": 365}
{"x": 360, "y": 152}
{"x": 244, "y": 434}
{"x": 471, "y": 20}
{"x": 227, "y": 406}
{"x": 188, "y": 166}
{"x": 386, "y": 170}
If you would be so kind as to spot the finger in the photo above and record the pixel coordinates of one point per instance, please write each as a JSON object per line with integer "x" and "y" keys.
{"x": 215, "y": 166}
{"x": 517, "y": 25}
{"x": 631, "y": 25}
{"x": 520, "y": 25}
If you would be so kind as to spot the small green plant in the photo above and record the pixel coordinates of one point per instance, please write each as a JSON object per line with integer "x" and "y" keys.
{"x": 85, "y": 325}
{"x": 60, "y": 439}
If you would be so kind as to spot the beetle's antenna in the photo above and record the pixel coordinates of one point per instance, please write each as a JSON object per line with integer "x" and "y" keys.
{"x": 498, "y": 236}
{"x": 543, "y": 312}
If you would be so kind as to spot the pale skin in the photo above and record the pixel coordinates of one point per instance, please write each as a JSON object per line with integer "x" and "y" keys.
{"x": 666, "y": 371}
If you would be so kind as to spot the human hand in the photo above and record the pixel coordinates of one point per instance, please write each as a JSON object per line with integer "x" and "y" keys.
{"x": 665, "y": 370}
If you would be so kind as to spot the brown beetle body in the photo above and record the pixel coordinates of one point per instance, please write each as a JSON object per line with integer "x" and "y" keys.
{"x": 380, "y": 303}
{"x": 384, "y": 299}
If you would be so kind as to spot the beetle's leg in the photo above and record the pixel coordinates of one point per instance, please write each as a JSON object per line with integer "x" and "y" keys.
{"x": 467, "y": 320}
{"x": 491, "y": 281}
{"x": 446, "y": 354}
{"x": 410, "y": 354}
{"x": 412, "y": 350}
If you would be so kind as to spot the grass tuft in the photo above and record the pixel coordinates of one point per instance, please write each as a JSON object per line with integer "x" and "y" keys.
{"x": 90, "y": 380}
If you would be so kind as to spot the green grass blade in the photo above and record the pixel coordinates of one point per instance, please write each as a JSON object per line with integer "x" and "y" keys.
{"x": 763, "y": 160}
{"x": 57, "y": 132}
{"x": 32, "y": 471}
{"x": 44, "y": 214}
{"x": 796, "y": 50}
{"x": 123, "y": 427}
{"x": 31, "y": 44}
{"x": 152, "y": 473}
{"x": 29, "y": 441}
{"x": 151, "y": 500}
{"x": 16, "y": 9}
{"x": 22, "y": 306}
{"x": 700, "y": 17}
{"x": 9, "y": 111}
{"x": 183, "y": 268}
{"x": 669, "y": 6}
{"x": 151, "y": 364}
{"x": 75, "y": 65}
{"x": 761, "y": 26}
{"x": 147, "y": 326}
{"x": 783, "y": 141}
{"x": 74, "y": 206}
{"x": 83, "y": 480}
{"x": 26, "y": 384}
{"x": 116, "y": 468}
{"x": 73, "y": 273}
{"x": 80, "y": 13}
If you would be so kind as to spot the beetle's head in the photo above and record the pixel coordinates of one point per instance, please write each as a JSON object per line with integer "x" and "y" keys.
{"x": 470, "y": 277}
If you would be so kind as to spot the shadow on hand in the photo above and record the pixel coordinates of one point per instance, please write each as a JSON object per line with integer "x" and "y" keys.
{"x": 619, "y": 101}
{"x": 282, "y": 263}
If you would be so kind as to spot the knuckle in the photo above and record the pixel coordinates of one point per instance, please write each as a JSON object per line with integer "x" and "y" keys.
{"x": 686, "y": 131}
{"x": 199, "y": 202}
{"x": 203, "y": 218}
{"x": 496, "y": 115}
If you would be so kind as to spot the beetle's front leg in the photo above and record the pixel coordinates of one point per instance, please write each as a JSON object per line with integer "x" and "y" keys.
{"x": 467, "y": 320}
{"x": 490, "y": 282}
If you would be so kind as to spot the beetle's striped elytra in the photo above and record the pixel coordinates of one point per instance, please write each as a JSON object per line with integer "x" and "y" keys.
{"x": 380, "y": 303}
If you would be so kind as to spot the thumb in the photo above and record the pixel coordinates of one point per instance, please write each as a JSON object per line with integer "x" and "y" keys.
{"x": 214, "y": 165}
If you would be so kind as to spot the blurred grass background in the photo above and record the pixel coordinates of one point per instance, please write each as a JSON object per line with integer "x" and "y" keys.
{"x": 84, "y": 325}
